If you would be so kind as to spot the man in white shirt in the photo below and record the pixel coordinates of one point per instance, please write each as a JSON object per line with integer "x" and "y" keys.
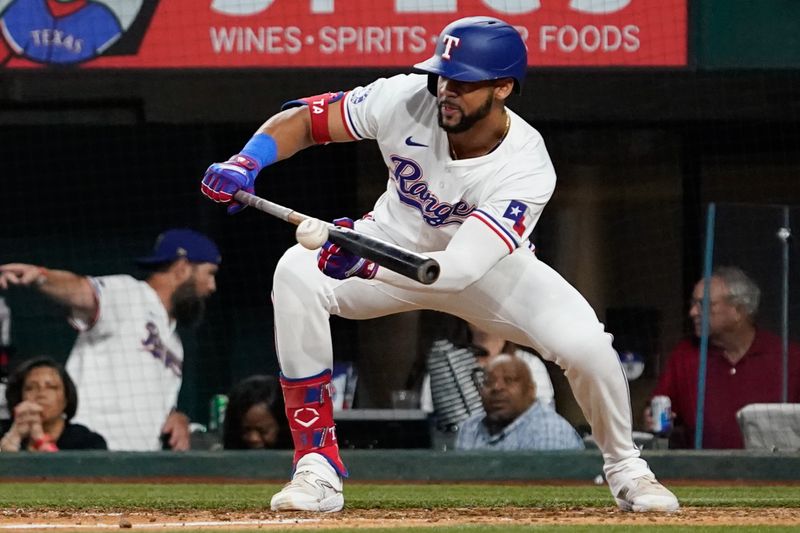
{"x": 127, "y": 360}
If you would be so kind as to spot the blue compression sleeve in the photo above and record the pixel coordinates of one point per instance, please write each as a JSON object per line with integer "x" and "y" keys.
{"x": 262, "y": 148}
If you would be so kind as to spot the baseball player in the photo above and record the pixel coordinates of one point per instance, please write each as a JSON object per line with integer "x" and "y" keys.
{"x": 468, "y": 179}
{"x": 127, "y": 360}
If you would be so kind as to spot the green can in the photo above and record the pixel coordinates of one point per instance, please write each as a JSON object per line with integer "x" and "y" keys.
{"x": 219, "y": 403}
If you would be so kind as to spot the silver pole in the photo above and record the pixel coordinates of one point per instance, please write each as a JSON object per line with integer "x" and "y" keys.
{"x": 783, "y": 235}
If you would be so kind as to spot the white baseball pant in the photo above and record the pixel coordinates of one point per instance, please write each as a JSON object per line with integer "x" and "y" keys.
{"x": 520, "y": 298}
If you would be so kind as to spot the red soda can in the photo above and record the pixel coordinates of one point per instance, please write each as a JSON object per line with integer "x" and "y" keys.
{"x": 661, "y": 408}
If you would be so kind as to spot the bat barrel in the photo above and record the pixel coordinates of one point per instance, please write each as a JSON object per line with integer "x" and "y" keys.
{"x": 410, "y": 264}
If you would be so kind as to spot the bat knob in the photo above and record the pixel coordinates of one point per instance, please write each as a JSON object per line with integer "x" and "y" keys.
{"x": 428, "y": 272}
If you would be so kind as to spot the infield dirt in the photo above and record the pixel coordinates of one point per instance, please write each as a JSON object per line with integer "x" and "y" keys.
{"x": 361, "y": 518}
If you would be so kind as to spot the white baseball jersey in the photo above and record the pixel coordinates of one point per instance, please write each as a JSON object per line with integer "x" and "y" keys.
{"x": 429, "y": 195}
{"x": 126, "y": 365}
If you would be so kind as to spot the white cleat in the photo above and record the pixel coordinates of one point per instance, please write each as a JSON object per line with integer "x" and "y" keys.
{"x": 315, "y": 487}
{"x": 644, "y": 494}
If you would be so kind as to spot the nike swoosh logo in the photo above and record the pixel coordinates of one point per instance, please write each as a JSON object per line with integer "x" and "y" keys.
{"x": 411, "y": 142}
{"x": 325, "y": 486}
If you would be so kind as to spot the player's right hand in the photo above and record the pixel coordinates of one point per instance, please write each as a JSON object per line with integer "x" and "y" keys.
{"x": 20, "y": 274}
{"x": 177, "y": 427}
{"x": 338, "y": 263}
{"x": 222, "y": 180}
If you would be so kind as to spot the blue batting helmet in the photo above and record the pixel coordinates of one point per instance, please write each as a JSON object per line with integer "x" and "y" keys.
{"x": 477, "y": 49}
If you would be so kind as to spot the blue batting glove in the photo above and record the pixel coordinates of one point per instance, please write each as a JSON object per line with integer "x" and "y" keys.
{"x": 338, "y": 263}
{"x": 222, "y": 180}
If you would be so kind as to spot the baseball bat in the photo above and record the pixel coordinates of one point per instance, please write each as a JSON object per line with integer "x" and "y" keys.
{"x": 405, "y": 262}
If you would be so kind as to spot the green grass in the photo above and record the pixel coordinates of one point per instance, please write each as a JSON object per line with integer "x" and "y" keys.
{"x": 243, "y": 497}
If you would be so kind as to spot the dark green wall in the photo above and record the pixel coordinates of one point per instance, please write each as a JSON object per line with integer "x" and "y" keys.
{"x": 408, "y": 465}
{"x": 747, "y": 34}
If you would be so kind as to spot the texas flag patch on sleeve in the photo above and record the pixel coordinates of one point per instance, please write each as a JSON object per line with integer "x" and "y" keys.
{"x": 516, "y": 211}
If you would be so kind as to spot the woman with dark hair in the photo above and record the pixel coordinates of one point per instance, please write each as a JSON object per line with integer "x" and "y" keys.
{"x": 42, "y": 399}
{"x": 255, "y": 417}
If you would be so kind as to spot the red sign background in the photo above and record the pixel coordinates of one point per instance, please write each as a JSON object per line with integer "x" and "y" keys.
{"x": 371, "y": 33}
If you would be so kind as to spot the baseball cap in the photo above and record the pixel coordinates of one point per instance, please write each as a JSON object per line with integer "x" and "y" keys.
{"x": 176, "y": 243}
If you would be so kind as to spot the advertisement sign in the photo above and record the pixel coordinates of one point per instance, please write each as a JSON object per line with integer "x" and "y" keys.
{"x": 328, "y": 33}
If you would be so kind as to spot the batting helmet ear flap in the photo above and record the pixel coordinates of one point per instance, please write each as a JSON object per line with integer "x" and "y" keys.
{"x": 433, "y": 81}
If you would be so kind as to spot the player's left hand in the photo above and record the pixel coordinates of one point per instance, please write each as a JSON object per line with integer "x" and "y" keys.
{"x": 338, "y": 263}
{"x": 177, "y": 427}
{"x": 222, "y": 180}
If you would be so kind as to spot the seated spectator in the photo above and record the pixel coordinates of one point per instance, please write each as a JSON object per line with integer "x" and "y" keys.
{"x": 42, "y": 399}
{"x": 486, "y": 345}
{"x": 495, "y": 344}
{"x": 744, "y": 364}
{"x": 255, "y": 417}
{"x": 514, "y": 420}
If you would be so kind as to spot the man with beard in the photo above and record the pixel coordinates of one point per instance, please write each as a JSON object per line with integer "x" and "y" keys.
{"x": 127, "y": 360}
{"x": 468, "y": 179}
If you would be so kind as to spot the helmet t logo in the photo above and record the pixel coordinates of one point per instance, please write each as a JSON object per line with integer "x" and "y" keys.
{"x": 449, "y": 42}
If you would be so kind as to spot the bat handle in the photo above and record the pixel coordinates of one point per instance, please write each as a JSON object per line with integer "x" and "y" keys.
{"x": 271, "y": 208}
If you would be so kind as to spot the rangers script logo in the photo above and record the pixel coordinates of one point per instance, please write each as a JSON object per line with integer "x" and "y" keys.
{"x": 153, "y": 344}
{"x": 416, "y": 193}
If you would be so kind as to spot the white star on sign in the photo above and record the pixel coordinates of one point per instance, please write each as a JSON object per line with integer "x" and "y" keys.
{"x": 515, "y": 211}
